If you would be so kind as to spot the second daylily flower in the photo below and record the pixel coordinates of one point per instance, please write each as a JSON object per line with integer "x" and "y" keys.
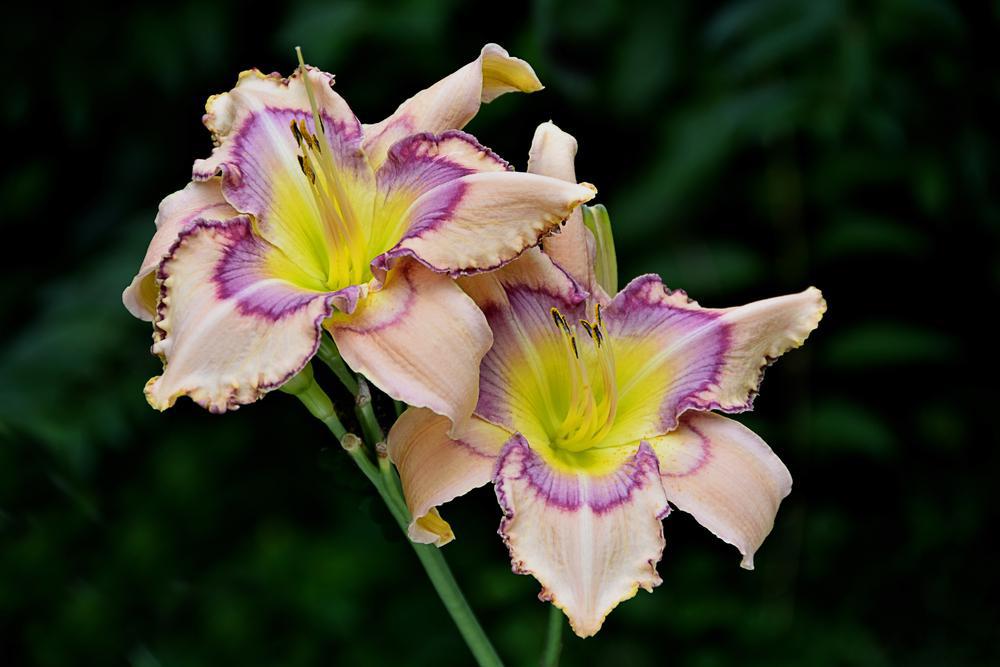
{"x": 594, "y": 413}
{"x": 304, "y": 218}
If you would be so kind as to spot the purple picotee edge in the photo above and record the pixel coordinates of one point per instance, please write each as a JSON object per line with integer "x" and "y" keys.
{"x": 163, "y": 273}
{"x": 569, "y": 492}
{"x": 644, "y": 292}
{"x": 491, "y": 405}
{"x": 343, "y": 136}
{"x": 637, "y": 475}
{"x": 208, "y": 117}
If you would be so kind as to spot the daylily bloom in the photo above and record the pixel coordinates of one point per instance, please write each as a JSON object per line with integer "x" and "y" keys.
{"x": 595, "y": 415}
{"x": 304, "y": 219}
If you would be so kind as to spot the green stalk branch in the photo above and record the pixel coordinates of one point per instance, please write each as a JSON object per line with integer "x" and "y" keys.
{"x": 330, "y": 355}
{"x": 553, "y": 637}
{"x": 303, "y": 386}
{"x": 366, "y": 415}
{"x": 386, "y": 482}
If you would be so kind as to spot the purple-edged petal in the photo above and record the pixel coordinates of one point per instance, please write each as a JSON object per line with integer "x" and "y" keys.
{"x": 552, "y": 154}
{"x": 724, "y": 475}
{"x": 416, "y": 166}
{"x": 419, "y": 339}
{"x": 481, "y": 221}
{"x": 517, "y": 301}
{"x": 674, "y": 355}
{"x": 591, "y": 542}
{"x": 257, "y": 156}
{"x": 453, "y": 101}
{"x": 197, "y": 201}
{"x": 227, "y": 329}
{"x": 435, "y": 469}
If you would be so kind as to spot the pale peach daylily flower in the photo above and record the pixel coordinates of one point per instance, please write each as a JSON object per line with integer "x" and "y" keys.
{"x": 595, "y": 415}
{"x": 304, "y": 219}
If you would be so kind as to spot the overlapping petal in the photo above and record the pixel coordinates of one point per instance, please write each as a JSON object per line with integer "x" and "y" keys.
{"x": 417, "y": 166}
{"x": 227, "y": 328}
{"x": 290, "y": 155}
{"x": 435, "y": 468}
{"x": 591, "y": 541}
{"x": 258, "y": 157}
{"x": 453, "y": 101}
{"x": 418, "y": 339}
{"x": 674, "y": 355}
{"x": 197, "y": 201}
{"x": 552, "y": 154}
{"x": 725, "y": 476}
{"x": 481, "y": 221}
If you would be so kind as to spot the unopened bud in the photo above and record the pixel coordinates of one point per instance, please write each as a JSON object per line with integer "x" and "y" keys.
{"x": 596, "y": 219}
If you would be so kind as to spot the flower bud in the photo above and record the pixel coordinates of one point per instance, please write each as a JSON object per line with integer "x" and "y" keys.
{"x": 596, "y": 219}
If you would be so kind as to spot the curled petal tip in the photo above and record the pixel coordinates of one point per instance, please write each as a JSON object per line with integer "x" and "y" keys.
{"x": 431, "y": 529}
{"x": 503, "y": 73}
{"x": 435, "y": 469}
{"x": 156, "y": 401}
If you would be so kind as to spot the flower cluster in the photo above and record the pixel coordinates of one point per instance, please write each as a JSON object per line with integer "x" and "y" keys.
{"x": 484, "y": 298}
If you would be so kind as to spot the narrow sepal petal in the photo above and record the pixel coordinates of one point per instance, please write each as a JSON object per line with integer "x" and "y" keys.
{"x": 725, "y": 476}
{"x": 482, "y": 221}
{"x": 676, "y": 355}
{"x": 435, "y": 468}
{"x": 552, "y": 153}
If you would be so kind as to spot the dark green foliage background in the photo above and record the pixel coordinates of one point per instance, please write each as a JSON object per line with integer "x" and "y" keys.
{"x": 744, "y": 150}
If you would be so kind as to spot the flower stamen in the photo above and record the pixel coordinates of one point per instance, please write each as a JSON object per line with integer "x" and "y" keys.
{"x": 348, "y": 236}
{"x": 591, "y": 409}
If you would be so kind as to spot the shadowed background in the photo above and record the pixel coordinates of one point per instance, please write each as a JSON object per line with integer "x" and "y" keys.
{"x": 744, "y": 150}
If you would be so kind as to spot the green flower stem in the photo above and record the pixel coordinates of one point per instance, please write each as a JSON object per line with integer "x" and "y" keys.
{"x": 458, "y": 607}
{"x": 366, "y": 415}
{"x": 389, "y": 476}
{"x": 330, "y": 355}
{"x": 386, "y": 482}
{"x": 439, "y": 573}
{"x": 303, "y": 386}
{"x": 553, "y": 638}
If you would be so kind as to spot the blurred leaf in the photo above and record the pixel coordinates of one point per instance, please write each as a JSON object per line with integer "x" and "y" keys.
{"x": 841, "y": 427}
{"x": 707, "y": 271}
{"x": 692, "y": 147}
{"x": 774, "y": 31}
{"x": 876, "y": 344}
{"x": 325, "y": 31}
{"x": 69, "y": 377}
{"x": 856, "y": 234}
